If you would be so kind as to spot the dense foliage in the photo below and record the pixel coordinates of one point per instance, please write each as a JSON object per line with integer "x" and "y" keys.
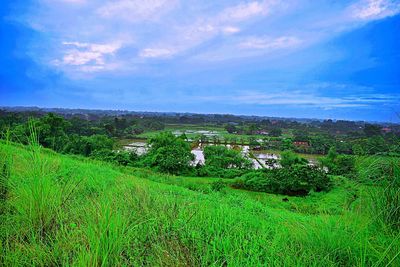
{"x": 225, "y": 158}
{"x": 314, "y": 137}
{"x": 339, "y": 164}
{"x": 296, "y": 180}
{"x": 289, "y": 158}
{"x": 64, "y": 211}
{"x": 169, "y": 153}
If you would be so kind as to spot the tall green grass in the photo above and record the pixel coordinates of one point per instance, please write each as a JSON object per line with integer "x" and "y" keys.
{"x": 5, "y": 171}
{"x": 383, "y": 173}
{"x": 71, "y": 211}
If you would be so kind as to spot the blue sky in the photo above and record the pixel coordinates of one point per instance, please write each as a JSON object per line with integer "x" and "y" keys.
{"x": 316, "y": 59}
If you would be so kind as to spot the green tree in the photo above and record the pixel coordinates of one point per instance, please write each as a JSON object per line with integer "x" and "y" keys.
{"x": 224, "y": 158}
{"x": 88, "y": 145}
{"x": 287, "y": 144}
{"x": 372, "y": 130}
{"x": 376, "y": 144}
{"x": 358, "y": 150}
{"x": 52, "y": 131}
{"x": 253, "y": 142}
{"x": 300, "y": 135}
{"x": 230, "y": 128}
{"x": 276, "y": 132}
{"x": 320, "y": 143}
{"x": 289, "y": 158}
{"x": 169, "y": 153}
{"x": 339, "y": 164}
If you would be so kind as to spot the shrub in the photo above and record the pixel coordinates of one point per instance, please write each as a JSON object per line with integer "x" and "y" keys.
{"x": 294, "y": 180}
{"x": 224, "y": 158}
{"x": 345, "y": 165}
{"x": 169, "y": 154}
{"x": 211, "y": 171}
{"x": 218, "y": 185}
{"x": 86, "y": 145}
{"x": 339, "y": 164}
{"x": 289, "y": 158}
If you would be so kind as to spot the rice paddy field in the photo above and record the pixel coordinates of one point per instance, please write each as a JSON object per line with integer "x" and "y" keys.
{"x": 58, "y": 210}
{"x": 194, "y": 131}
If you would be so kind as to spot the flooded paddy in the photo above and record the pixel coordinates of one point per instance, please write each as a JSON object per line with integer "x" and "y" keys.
{"x": 259, "y": 158}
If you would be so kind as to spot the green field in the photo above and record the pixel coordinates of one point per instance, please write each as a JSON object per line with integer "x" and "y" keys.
{"x": 73, "y": 211}
{"x": 222, "y": 133}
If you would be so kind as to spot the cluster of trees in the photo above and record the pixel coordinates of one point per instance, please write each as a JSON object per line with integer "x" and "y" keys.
{"x": 314, "y": 137}
{"x": 318, "y": 143}
{"x": 295, "y": 177}
{"x": 170, "y": 154}
{"x": 221, "y": 161}
{"x": 319, "y": 137}
{"x": 65, "y": 136}
{"x": 336, "y": 164}
{"x": 123, "y": 126}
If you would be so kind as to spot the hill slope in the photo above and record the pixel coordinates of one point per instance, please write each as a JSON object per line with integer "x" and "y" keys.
{"x": 63, "y": 210}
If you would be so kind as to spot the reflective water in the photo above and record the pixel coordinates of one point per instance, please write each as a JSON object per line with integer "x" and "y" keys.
{"x": 259, "y": 158}
{"x": 200, "y": 132}
{"x": 141, "y": 148}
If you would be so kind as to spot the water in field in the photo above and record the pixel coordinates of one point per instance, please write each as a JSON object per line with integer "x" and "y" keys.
{"x": 259, "y": 158}
{"x": 198, "y": 132}
{"x": 140, "y": 147}
{"x": 199, "y": 156}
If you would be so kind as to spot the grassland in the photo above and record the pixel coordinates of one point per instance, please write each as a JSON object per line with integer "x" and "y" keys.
{"x": 72, "y": 211}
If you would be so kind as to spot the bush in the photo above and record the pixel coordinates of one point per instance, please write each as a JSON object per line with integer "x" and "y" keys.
{"x": 123, "y": 158}
{"x": 218, "y": 185}
{"x": 169, "y": 154}
{"x": 345, "y": 165}
{"x": 224, "y": 158}
{"x": 211, "y": 171}
{"x": 289, "y": 158}
{"x": 86, "y": 145}
{"x": 294, "y": 180}
{"x": 339, "y": 164}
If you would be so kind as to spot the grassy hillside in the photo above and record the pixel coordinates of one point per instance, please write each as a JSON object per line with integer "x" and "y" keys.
{"x": 63, "y": 210}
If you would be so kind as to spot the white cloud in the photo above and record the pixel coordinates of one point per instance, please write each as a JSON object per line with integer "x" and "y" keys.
{"x": 230, "y": 29}
{"x": 97, "y": 48}
{"x": 270, "y": 43}
{"x": 71, "y": 1}
{"x": 195, "y": 30}
{"x": 245, "y": 11}
{"x": 136, "y": 10}
{"x": 206, "y": 28}
{"x": 374, "y": 9}
{"x": 156, "y": 53}
{"x": 302, "y": 98}
{"x": 87, "y": 57}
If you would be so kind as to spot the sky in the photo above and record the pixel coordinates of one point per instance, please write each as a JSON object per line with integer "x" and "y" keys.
{"x": 289, "y": 58}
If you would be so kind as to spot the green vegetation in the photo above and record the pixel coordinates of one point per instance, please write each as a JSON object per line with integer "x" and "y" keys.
{"x": 288, "y": 159}
{"x": 64, "y": 132}
{"x": 339, "y": 164}
{"x": 296, "y": 180}
{"x": 169, "y": 154}
{"x": 70, "y": 196}
{"x": 63, "y": 210}
{"x": 223, "y": 162}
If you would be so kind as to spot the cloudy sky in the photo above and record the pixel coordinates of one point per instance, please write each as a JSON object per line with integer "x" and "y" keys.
{"x": 290, "y": 58}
